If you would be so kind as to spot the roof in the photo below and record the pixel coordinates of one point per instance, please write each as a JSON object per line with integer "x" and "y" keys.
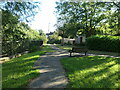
{"x": 49, "y": 33}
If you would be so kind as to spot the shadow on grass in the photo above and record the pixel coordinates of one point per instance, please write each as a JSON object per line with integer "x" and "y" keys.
{"x": 20, "y": 81}
{"x": 14, "y": 71}
{"x": 92, "y": 72}
{"x": 17, "y": 72}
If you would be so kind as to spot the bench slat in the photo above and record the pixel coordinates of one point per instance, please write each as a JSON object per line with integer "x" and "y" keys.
{"x": 78, "y": 50}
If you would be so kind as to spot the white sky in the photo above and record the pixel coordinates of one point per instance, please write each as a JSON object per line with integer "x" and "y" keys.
{"x": 45, "y": 17}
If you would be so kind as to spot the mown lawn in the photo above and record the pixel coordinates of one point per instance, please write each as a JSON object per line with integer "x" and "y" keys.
{"x": 66, "y": 47}
{"x": 18, "y": 72}
{"x": 92, "y": 72}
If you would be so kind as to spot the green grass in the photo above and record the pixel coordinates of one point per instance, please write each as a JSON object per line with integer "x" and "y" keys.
{"x": 18, "y": 72}
{"x": 66, "y": 47}
{"x": 92, "y": 72}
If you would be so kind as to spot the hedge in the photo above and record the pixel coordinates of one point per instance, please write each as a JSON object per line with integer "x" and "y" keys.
{"x": 52, "y": 41}
{"x": 13, "y": 47}
{"x": 104, "y": 43}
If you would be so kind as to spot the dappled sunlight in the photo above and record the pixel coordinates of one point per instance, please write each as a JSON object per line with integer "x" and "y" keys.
{"x": 19, "y": 71}
{"x": 55, "y": 54}
{"x": 49, "y": 78}
{"x": 58, "y": 55}
{"x": 54, "y": 82}
{"x": 47, "y": 70}
{"x": 92, "y": 72}
{"x": 18, "y": 79}
{"x": 91, "y": 77}
{"x": 58, "y": 80}
{"x": 51, "y": 71}
{"x": 28, "y": 58}
{"x": 104, "y": 55}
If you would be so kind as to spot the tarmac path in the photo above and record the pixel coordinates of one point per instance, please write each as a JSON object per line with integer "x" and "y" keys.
{"x": 52, "y": 74}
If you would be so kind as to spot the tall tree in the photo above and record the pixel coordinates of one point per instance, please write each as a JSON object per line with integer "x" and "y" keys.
{"x": 117, "y": 4}
{"x": 89, "y": 15}
{"x": 25, "y": 10}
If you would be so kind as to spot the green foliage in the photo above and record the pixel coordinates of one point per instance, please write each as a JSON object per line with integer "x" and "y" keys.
{"x": 92, "y": 72}
{"x": 89, "y": 18}
{"x": 35, "y": 45}
{"x": 55, "y": 38}
{"x": 104, "y": 43}
{"x": 43, "y": 36}
{"x": 16, "y": 35}
{"x": 54, "y": 42}
{"x": 25, "y": 10}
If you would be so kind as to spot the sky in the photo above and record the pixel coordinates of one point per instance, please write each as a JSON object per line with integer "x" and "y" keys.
{"x": 45, "y": 19}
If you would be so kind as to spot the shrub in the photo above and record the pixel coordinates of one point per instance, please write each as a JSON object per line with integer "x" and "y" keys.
{"x": 104, "y": 43}
{"x": 14, "y": 47}
{"x": 55, "y": 38}
{"x": 54, "y": 41}
{"x": 35, "y": 45}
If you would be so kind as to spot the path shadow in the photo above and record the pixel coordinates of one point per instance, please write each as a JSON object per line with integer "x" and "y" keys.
{"x": 51, "y": 71}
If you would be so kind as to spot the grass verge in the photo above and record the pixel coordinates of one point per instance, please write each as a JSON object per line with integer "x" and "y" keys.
{"x": 18, "y": 72}
{"x": 65, "y": 47}
{"x": 92, "y": 72}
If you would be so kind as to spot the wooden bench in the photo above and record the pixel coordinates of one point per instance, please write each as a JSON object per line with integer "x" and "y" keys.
{"x": 78, "y": 50}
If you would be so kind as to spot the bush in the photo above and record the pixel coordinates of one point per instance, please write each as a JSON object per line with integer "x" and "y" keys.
{"x": 104, "y": 43}
{"x": 14, "y": 47}
{"x": 55, "y": 38}
{"x": 35, "y": 45}
{"x": 54, "y": 41}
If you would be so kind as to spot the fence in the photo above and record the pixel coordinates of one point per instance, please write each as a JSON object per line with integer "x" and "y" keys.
{"x": 14, "y": 47}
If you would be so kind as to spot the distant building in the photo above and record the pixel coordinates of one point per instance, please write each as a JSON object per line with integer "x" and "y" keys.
{"x": 67, "y": 40}
{"x": 77, "y": 40}
{"x": 80, "y": 39}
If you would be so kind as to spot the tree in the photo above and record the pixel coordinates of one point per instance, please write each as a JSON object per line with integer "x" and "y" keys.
{"x": 86, "y": 16}
{"x": 41, "y": 32}
{"x": 15, "y": 33}
{"x": 13, "y": 15}
{"x": 42, "y": 36}
{"x": 118, "y": 15}
{"x": 25, "y": 10}
{"x": 54, "y": 38}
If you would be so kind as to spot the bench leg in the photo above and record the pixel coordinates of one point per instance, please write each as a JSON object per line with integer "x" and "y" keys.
{"x": 85, "y": 53}
{"x": 70, "y": 54}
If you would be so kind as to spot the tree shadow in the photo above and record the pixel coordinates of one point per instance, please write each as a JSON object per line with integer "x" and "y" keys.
{"x": 13, "y": 70}
{"x": 81, "y": 71}
{"x": 20, "y": 81}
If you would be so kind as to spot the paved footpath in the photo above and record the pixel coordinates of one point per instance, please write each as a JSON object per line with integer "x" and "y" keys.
{"x": 52, "y": 74}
